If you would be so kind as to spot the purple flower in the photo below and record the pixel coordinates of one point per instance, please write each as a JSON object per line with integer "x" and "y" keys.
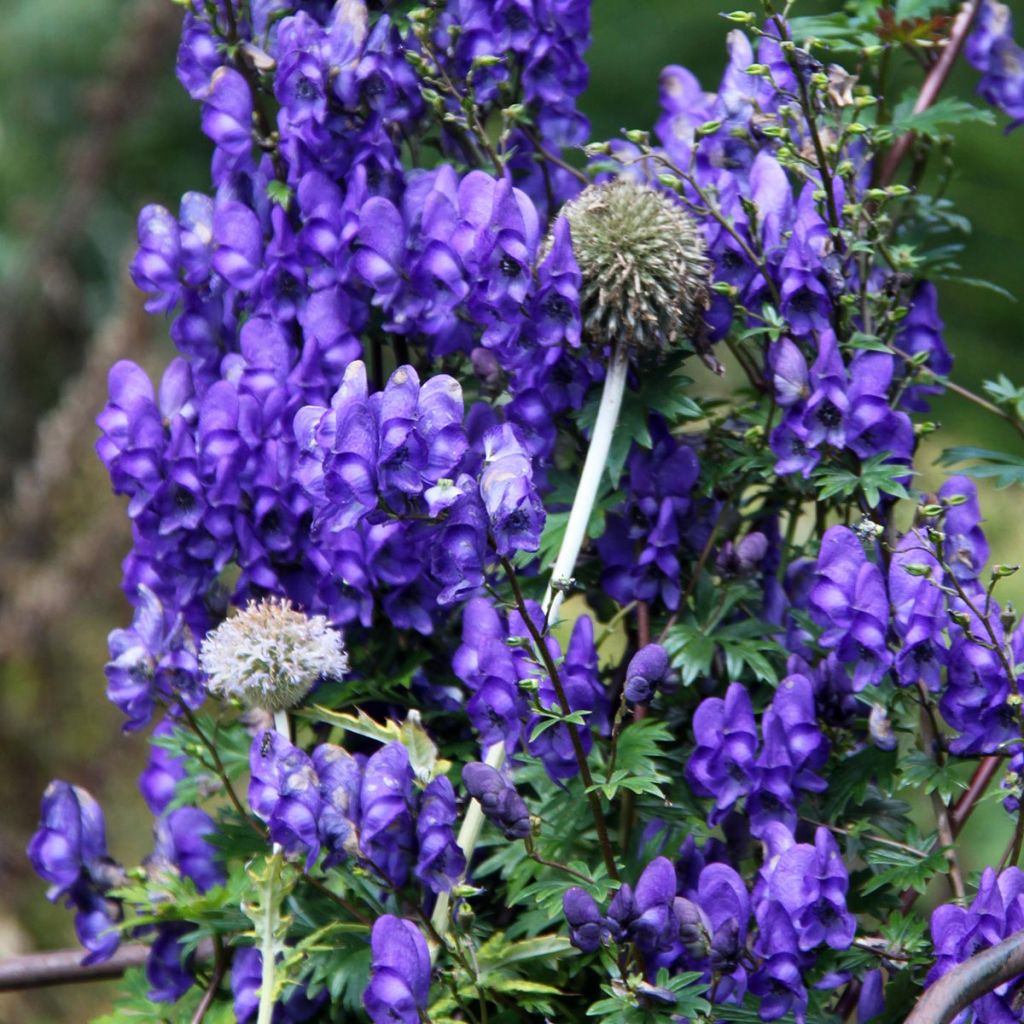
{"x": 722, "y": 763}
{"x": 168, "y": 970}
{"x": 439, "y": 863}
{"x": 181, "y": 842}
{"x": 163, "y": 770}
{"x": 588, "y": 930}
{"x": 499, "y": 801}
{"x": 655, "y": 926}
{"x": 514, "y": 509}
{"x": 399, "y": 974}
{"x": 964, "y": 549}
{"x": 156, "y": 267}
{"x": 849, "y": 599}
{"x": 386, "y": 831}
{"x": 227, "y": 115}
{"x": 646, "y": 669}
{"x": 810, "y": 884}
{"x": 340, "y": 782}
{"x": 69, "y": 850}
{"x": 285, "y": 792}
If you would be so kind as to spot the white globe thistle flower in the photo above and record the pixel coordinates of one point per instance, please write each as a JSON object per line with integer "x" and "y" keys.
{"x": 271, "y": 655}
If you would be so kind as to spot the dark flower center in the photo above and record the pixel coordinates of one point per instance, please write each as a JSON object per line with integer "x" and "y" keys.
{"x": 510, "y": 267}
{"x": 829, "y": 415}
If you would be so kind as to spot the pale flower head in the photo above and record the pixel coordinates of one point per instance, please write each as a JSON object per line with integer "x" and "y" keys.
{"x": 271, "y": 655}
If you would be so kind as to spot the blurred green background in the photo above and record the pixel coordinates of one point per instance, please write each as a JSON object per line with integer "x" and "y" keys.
{"x": 92, "y": 125}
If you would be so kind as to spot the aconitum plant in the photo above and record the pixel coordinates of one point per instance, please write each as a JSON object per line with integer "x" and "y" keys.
{"x": 536, "y": 612}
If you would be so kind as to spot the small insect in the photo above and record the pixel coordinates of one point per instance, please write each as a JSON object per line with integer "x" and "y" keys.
{"x": 265, "y": 743}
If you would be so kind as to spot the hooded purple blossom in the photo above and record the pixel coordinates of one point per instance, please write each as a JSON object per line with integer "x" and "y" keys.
{"x": 69, "y": 850}
{"x": 722, "y": 763}
{"x": 439, "y": 861}
{"x": 340, "y": 780}
{"x": 168, "y": 970}
{"x": 498, "y": 799}
{"x": 588, "y": 930}
{"x": 285, "y": 792}
{"x": 181, "y": 842}
{"x": 400, "y": 972}
{"x": 992, "y": 50}
{"x": 810, "y": 883}
{"x": 386, "y": 830}
{"x": 850, "y": 600}
{"x": 514, "y": 509}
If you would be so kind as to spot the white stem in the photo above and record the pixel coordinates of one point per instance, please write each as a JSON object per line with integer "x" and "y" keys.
{"x": 271, "y": 910}
{"x": 469, "y": 833}
{"x": 575, "y": 534}
{"x": 590, "y": 481}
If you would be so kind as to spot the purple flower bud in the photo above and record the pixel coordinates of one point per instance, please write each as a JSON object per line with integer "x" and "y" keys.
{"x": 440, "y": 863}
{"x": 227, "y": 115}
{"x": 501, "y": 804}
{"x": 647, "y": 668}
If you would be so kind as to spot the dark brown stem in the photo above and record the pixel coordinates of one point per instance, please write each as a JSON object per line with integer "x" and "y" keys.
{"x": 220, "y": 965}
{"x": 970, "y": 980}
{"x": 563, "y": 700}
{"x": 932, "y": 86}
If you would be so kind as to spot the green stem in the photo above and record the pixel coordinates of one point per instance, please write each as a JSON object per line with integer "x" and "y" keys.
{"x": 267, "y": 927}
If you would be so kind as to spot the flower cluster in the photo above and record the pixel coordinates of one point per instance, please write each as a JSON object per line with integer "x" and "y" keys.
{"x": 727, "y": 766}
{"x": 430, "y": 369}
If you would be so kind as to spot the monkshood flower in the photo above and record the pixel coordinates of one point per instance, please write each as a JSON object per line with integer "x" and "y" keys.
{"x": 810, "y": 884}
{"x": 69, "y": 850}
{"x": 991, "y": 49}
{"x": 646, "y": 670}
{"x": 387, "y": 837}
{"x": 996, "y": 912}
{"x": 340, "y": 778}
{"x": 168, "y": 970}
{"x": 514, "y": 509}
{"x": 294, "y": 1007}
{"x": 271, "y": 655}
{"x": 152, "y": 663}
{"x": 501, "y": 804}
{"x": 181, "y": 844}
{"x": 654, "y": 926}
{"x": 487, "y": 664}
{"x": 964, "y": 548}
{"x": 399, "y": 973}
{"x": 581, "y": 684}
{"x": 284, "y": 791}
{"x": 588, "y": 929}
{"x": 722, "y": 763}
{"x": 640, "y": 546}
{"x": 439, "y": 861}
{"x": 163, "y": 771}
{"x": 850, "y": 600}
{"x": 919, "y": 611}
{"x": 922, "y": 331}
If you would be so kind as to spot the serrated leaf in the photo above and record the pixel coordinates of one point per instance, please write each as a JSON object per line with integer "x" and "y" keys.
{"x": 1004, "y": 469}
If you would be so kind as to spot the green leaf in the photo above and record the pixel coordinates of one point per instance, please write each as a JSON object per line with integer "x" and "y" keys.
{"x": 919, "y": 771}
{"x": 1002, "y": 468}
{"x": 938, "y": 120}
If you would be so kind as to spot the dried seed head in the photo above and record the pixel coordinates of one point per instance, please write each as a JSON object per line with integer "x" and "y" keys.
{"x": 644, "y": 264}
{"x": 271, "y": 655}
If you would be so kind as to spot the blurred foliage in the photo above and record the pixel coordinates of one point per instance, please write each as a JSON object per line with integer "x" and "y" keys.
{"x": 93, "y": 125}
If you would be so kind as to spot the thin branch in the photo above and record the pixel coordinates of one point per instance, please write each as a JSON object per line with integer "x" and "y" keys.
{"x": 64, "y": 967}
{"x": 563, "y": 700}
{"x": 932, "y": 86}
{"x": 975, "y": 977}
{"x": 220, "y": 965}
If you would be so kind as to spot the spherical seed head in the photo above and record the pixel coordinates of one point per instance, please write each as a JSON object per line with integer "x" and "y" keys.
{"x": 644, "y": 265}
{"x": 271, "y": 655}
